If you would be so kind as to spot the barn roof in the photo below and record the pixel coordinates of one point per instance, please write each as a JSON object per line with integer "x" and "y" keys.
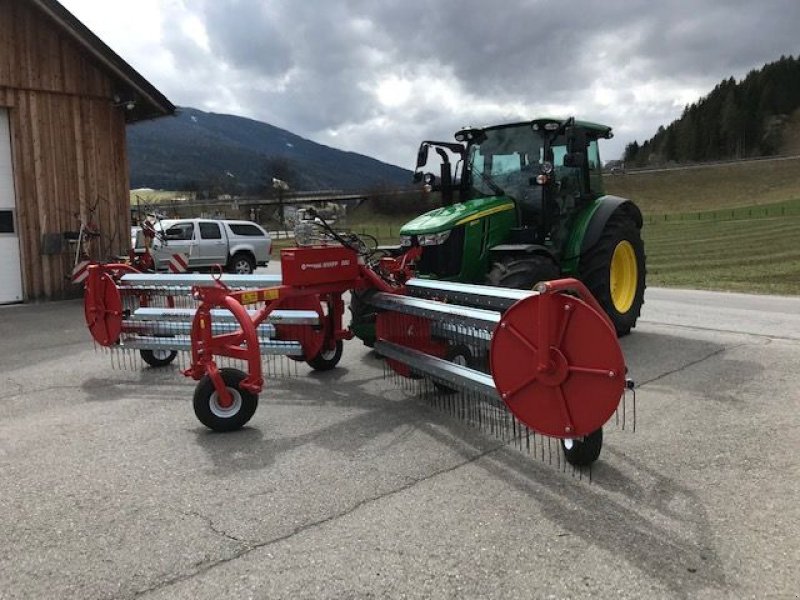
{"x": 131, "y": 87}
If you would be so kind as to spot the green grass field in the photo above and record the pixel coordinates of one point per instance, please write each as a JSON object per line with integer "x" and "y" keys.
{"x": 709, "y": 188}
{"x": 757, "y": 255}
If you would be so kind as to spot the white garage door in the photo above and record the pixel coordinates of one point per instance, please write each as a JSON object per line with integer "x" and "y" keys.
{"x": 10, "y": 270}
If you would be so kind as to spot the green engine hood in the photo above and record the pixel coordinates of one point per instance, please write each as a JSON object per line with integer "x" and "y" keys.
{"x": 449, "y": 217}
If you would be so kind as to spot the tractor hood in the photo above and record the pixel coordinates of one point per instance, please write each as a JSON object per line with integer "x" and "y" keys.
{"x": 450, "y": 217}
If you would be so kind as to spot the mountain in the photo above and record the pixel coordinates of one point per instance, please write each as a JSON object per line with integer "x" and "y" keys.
{"x": 756, "y": 116}
{"x": 197, "y": 151}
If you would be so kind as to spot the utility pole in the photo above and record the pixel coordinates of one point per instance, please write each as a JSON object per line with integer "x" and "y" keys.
{"x": 280, "y": 186}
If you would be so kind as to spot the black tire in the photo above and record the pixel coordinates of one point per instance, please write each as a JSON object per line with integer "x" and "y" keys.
{"x": 213, "y": 416}
{"x": 326, "y": 360}
{"x": 362, "y": 316}
{"x": 582, "y": 452}
{"x": 522, "y": 272}
{"x": 158, "y": 358}
{"x": 242, "y": 263}
{"x": 595, "y": 271}
{"x": 460, "y": 355}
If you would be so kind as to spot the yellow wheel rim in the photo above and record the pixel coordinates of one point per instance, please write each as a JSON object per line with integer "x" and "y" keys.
{"x": 624, "y": 276}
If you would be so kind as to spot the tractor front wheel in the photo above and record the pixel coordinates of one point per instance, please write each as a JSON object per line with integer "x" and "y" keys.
{"x": 212, "y": 414}
{"x": 362, "y": 316}
{"x": 614, "y": 271}
{"x": 522, "y": 272}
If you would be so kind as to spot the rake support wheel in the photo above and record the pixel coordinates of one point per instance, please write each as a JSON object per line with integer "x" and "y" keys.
{"x": 210, "y": 411}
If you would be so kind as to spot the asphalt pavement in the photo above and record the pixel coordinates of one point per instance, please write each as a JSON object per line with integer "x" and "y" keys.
{"x": 345, "y": 486}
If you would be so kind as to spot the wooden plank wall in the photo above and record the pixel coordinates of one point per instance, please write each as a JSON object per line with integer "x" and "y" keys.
{"x": 68, "y": 146}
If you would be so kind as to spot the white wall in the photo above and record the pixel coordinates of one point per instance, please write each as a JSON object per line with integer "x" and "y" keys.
{"x": 10, "y": 269}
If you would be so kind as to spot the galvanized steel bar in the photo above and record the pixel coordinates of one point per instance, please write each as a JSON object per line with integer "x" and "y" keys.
{"x": 161, "y": 327}
{"x": 283, "y": 317}
{"x": 447, "y": 372}
{"x": 202, "y": 279}
{"x": 432, "y": 309}
{"x": 480, "y": 296}
{"x": 184, "y": 343}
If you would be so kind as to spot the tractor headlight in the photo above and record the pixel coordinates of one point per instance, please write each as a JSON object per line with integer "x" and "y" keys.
{"x": 405, "y": 240}
{"x": 433, "y": 239}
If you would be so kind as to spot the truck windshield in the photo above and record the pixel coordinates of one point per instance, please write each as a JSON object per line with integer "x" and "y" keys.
{"x": 505, "y": 160}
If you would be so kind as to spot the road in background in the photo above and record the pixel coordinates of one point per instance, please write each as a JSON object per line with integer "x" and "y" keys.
{"x": 344, "y": 485}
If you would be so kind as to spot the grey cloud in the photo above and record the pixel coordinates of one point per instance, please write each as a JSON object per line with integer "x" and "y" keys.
{"x": 519, "y": 52}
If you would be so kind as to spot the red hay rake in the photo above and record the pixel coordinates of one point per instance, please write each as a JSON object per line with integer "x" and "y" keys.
{"x": 549, "y": 356}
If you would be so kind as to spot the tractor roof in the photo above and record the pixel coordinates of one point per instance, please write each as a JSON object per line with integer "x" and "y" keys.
{"x": 601, "y": 131}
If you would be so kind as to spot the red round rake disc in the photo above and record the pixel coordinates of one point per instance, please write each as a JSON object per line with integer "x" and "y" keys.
{"x": 102, "y": 307}
{"x": 578, "y": 385}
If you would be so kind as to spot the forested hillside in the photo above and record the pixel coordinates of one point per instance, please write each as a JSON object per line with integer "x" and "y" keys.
{"x": 742, "y": 119}
{"x": 216, "y": 153}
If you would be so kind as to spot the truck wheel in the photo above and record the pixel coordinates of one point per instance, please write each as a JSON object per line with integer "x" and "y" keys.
{"x": 326, "y": 360}
{"x": 219, "y": 418}
{"x": 158, "y": 358}
{"x": 242, "y": 264}
{"x": 614, "y": 271}
{"x": 581, "y": 452}
{"x": 522, "y": 272}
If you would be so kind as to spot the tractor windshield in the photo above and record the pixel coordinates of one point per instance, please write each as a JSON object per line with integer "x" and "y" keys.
{"x": 506, "y": 160}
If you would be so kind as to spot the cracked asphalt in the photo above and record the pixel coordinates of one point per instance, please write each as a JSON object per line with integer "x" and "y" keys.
{"x": 345, "y": 486}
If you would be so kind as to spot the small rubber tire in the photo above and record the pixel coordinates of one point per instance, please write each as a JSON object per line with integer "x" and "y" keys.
{"x": 582, "y": 452}
{"x": 242, "y": 264}
{"x": 212, "y": 415}
{"x": 460, "y": 355}
{"x": 325, "y": 360}
{"x": 158, "y": 358}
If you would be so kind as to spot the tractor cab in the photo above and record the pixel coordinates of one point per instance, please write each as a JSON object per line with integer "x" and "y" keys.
{"x": 524, "y": 184}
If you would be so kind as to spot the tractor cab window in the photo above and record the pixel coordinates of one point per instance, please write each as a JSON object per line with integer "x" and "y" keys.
{"x": 505, "y": 161}
{"x": 568, "y": 178}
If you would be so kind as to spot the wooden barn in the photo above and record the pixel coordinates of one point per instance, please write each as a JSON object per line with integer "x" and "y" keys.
{"x": 65, "y": 98}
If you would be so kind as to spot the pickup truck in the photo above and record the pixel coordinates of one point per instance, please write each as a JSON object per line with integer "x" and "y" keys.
{"x": 239, "y": 246}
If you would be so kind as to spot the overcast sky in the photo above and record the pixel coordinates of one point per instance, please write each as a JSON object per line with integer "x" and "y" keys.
{"x": 378, "y": 76}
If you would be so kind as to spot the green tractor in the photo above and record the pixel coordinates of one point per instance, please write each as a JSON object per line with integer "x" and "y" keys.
{"x": 523, "y": 203}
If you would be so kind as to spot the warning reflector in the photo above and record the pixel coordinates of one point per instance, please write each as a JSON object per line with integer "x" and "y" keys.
{"x": 179, "y": 263}
{"x": 80, "y": 272}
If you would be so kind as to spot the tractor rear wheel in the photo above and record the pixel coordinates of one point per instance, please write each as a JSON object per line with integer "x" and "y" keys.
{"x": 614, "y": 271}
{"x": 522, "y": 272}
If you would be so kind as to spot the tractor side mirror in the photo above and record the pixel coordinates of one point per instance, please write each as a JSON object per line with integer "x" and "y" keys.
{"x": 422, "y": 156}
{"x": 575, "y": 159}
{"x": 576, "y": 140}
{"x": 576, "y": 147}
